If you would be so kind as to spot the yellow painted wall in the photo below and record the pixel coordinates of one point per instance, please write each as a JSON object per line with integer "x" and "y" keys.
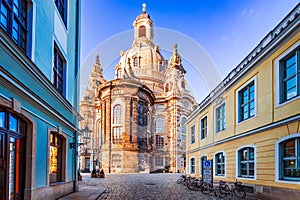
{"x": 267, "y": 112}
{"x": 264, "y": 143}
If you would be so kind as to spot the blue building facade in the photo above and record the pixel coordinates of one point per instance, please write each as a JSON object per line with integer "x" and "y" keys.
{"x": 39, "y": 86}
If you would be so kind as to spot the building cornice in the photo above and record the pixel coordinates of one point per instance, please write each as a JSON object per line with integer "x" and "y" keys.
{"x": 289, "y": 24}
{"x": 11, "y": 48}
{"x": 249, "y": 133}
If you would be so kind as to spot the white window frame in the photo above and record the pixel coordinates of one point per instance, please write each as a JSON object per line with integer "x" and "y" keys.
{"x": 278, "y": 81}
{"x": 255, "y": 100}
{"x": 190, "y": 166}
{"x": 215, "y": 166}
{"x": 215, "y": 111}
{"x": 200, "y": 134}
{"x": 194, "y": 125}
{"x": 237, "y": 162}
{"x": 277, "y": 159}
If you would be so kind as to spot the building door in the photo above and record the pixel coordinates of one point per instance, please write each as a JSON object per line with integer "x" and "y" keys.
{"x": 12, "y": 157}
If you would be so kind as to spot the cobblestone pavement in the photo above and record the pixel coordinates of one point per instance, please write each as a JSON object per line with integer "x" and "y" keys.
{"x": 144, "y": 186}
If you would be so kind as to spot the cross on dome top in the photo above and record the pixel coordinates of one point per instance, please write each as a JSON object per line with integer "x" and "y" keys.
{"x": 144, "y": 7}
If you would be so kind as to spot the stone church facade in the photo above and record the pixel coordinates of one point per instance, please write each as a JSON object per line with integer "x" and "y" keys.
{"x": 135, "y": 122}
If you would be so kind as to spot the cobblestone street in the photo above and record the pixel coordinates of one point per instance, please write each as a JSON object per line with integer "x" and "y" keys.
{"x": 143, "y": 186}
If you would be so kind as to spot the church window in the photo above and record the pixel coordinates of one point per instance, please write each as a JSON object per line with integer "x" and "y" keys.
{"x": 185, "y": 104}
{"x": 117, "y": 124}
{"x": 183, "y": 84}
{"x": 136, "y": 62}
{"x": 117, "y": 135}
{"x": 117, "y": 114}
{"x": 148, "y": 122}
{"x": 116, "y": 161}
{"x": 160, "y": 123}
{"x": 142, "y": 31}
{"x": 183, "y": 129}
{"x": 159, "y": 141}
{"x": 119, "y": 73}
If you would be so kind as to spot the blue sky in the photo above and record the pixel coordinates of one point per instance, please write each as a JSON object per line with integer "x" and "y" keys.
{"x": 227, "y": 30}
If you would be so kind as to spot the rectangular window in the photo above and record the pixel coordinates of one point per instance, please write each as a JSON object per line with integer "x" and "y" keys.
{"x": 220, "y": 164}
{"x": 193, "y": 135}
{"x": 116, "y": 161}
{"x": 246, "y": 102}
{"x": 56, "y": 158}
{"x": 159, "y": 161}
{"x": 117, "y": 135}
{"x": 192, "y": 166}
{"x": 203, "y": 127}
{"x": 220, "y": 118}
{"x": 159, "y": 141}
{"x": 13, "y": 20}
{"x": 59, "y": 71}
{"x": 290, "y": 76}
{"x": 61, "y": 6}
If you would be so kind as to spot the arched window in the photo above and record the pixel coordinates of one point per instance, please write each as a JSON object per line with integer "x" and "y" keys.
{"x": 160, "y": 125}
{"x": 192, "y": 166}
{"x": 288, "y": 158}
{"x": 246, "y": 162}
{"x": 117, "y": 115}
{"x": 142, "y": 31}
{"x": 117, "y": 121}
{"x": 220, "y": 164}
{"x": 183, "y": 129}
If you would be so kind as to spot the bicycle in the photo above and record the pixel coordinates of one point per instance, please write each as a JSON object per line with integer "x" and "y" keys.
{"x": 223, "y": 190}
{"x": 195, "y": 184}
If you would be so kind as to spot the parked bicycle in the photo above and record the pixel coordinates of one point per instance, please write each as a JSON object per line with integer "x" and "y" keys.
{"x": 195, "y": 184}
{"x": 236, "y": 188}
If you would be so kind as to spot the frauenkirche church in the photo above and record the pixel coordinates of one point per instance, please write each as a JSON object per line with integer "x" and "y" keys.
{"x": 135, "y": 122}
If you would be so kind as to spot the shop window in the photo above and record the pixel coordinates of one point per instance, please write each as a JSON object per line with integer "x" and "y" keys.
{"x": 56, "y": 158}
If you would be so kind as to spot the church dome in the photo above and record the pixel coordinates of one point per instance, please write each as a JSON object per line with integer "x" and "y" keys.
{"x": 143, "y": 58}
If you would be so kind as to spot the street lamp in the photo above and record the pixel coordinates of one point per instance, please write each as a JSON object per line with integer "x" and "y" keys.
{"x": 85, "y": 139}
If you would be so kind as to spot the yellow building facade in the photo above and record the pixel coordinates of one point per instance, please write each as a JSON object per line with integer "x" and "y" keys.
{"x": 249, "y": 125}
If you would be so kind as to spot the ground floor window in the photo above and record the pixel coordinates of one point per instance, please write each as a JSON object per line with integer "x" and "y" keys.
{"x": 246, "y": 162}
{"x": 192, "y": 166}
{"x": 159, "y": 161}
{"x": 56, "y": 163}
{"x": 220, "y": 164}
{"x": 289, "y": 159}
{"x": 116, "y": 161}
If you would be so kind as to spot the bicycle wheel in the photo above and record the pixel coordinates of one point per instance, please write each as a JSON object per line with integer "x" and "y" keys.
{"x": 206, "y": 188}
{"x": 239, "y": 193}
{"x": 191, "y": 186}
{"x": 179, "y": 181}
{"x": 219, "y": 192}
